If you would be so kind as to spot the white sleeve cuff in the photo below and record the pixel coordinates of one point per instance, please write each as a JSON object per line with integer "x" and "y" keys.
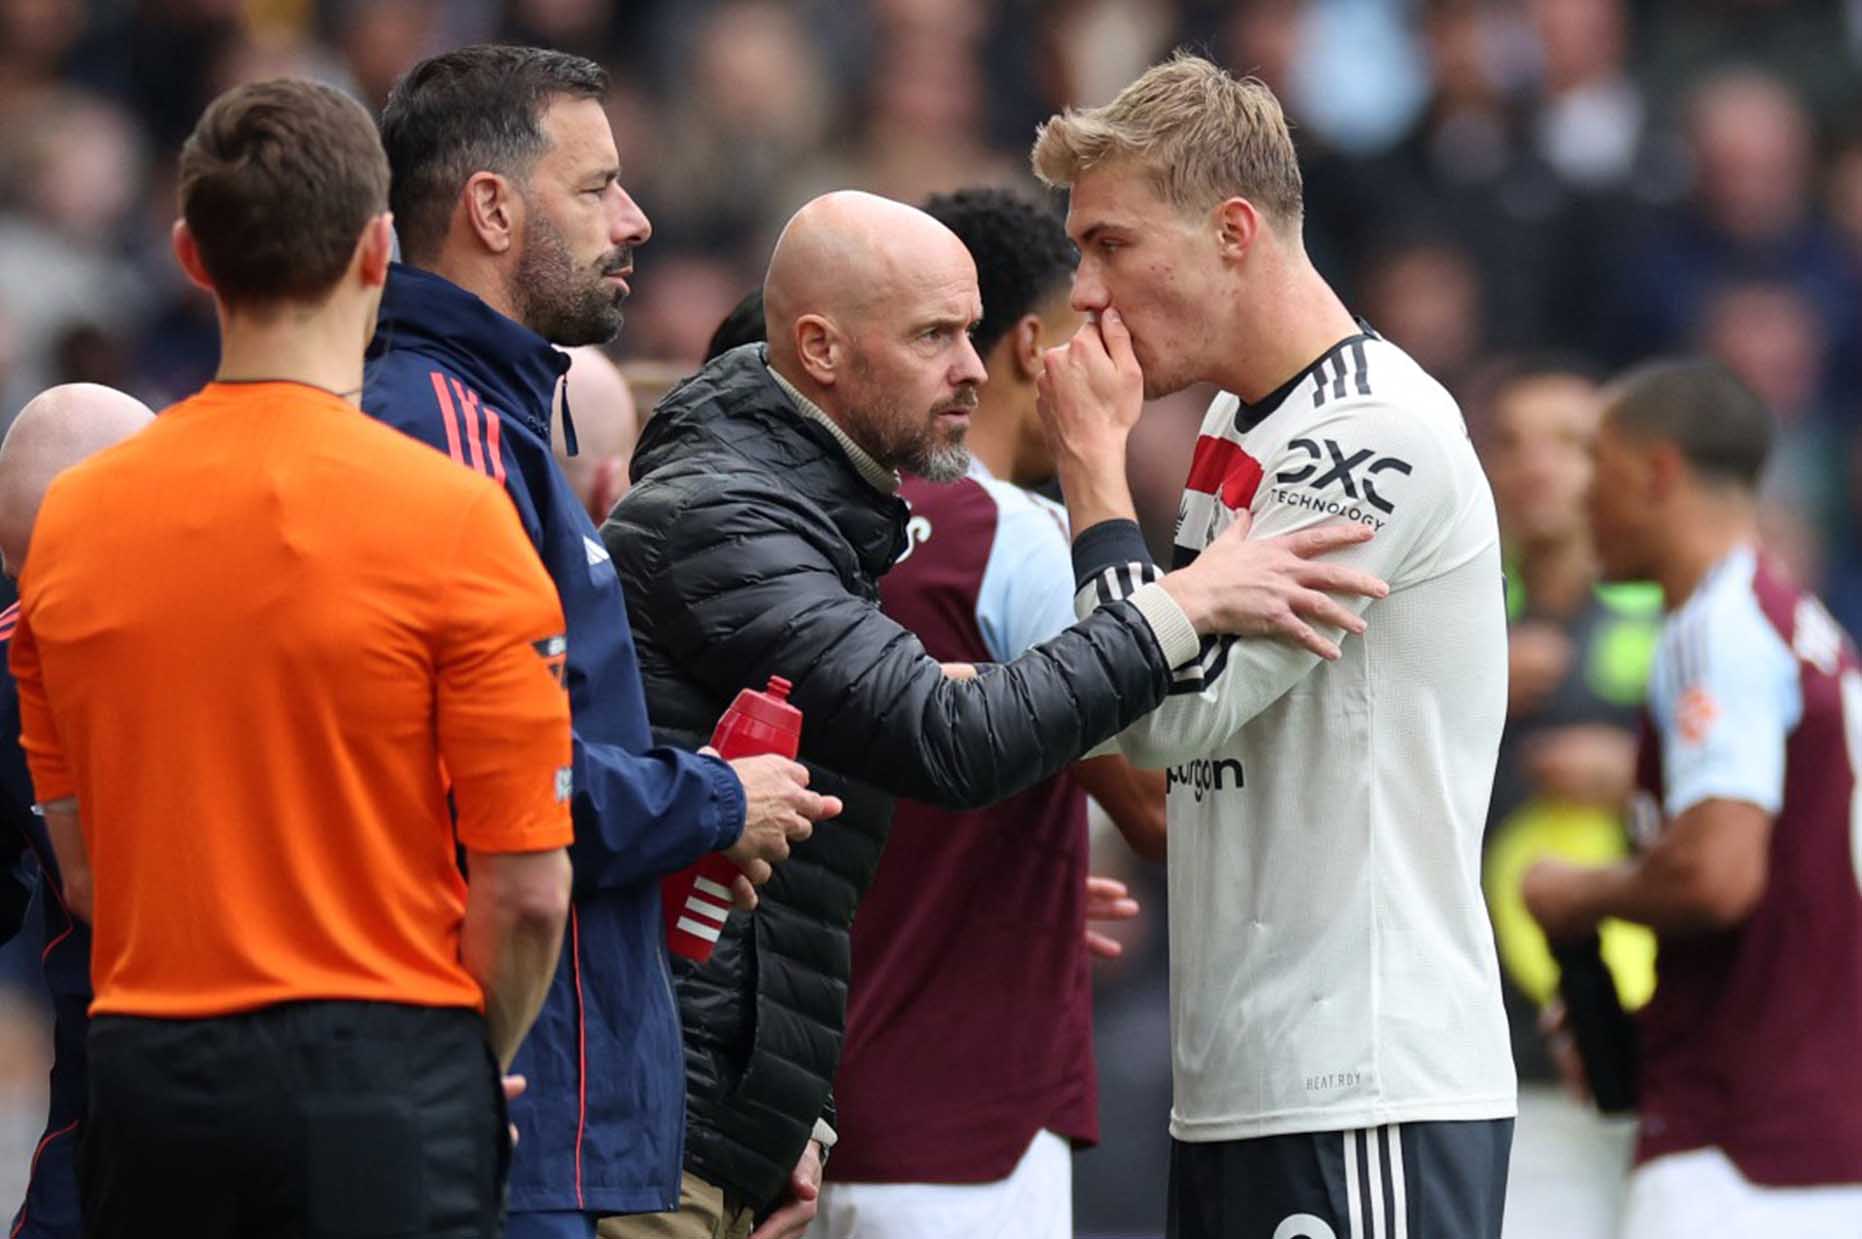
{"x": 823, "y": 1135}
{"x": 1172, "y": 628}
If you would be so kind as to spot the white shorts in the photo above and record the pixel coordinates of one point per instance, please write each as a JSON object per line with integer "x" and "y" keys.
{"x": 1702, "y": 1195}
{"x": 1034, "y": 1202}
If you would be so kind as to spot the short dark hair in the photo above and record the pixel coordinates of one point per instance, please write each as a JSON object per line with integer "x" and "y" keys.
{"x": 1488, "y": 387}
{"x": 1721, "y": 427}
{"x": 1513, "y": 369}
{"x": 277, "y": 182}
{"x": 477, "y": 109}
{"x": 743, "y": 325}
{"x": 1021, "y": 250}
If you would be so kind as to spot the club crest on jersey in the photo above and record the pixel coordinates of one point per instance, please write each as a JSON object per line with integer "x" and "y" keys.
{"x": 1355, "y": 473}
{"x": 1221, "y": 468}
{"x": 1695, "y": 715}
{"x": 917, "y": 532}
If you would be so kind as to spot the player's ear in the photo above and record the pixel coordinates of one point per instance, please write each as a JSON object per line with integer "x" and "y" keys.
{"x": 1667, "y": 469}
{"x": 1237, "y": 224}
{"x": 187, "y": 254}
{"x": 1024, "y": 344}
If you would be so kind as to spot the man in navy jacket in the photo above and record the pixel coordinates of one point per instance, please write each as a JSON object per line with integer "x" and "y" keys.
{"x": 518, "y": 236}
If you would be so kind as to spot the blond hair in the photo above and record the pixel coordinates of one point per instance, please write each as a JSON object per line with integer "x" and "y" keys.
{"x": 1200, "y": 135}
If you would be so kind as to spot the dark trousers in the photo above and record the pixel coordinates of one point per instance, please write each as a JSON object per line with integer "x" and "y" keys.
{"x": 50, "y": 1210}
{"x": 297, "y": 1121}
{"x": 1400, "y": 1181}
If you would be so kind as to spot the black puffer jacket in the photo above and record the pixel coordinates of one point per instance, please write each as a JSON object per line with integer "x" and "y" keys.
{"x": 750, "y": 547}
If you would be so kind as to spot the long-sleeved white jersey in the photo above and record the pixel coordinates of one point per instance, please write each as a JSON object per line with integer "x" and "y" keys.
{"x": 1332, "y": 965}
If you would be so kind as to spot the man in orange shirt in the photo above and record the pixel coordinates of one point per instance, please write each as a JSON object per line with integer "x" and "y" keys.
{"x": 259, "y": 644}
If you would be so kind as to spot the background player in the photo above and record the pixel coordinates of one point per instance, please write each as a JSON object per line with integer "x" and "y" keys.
{"x": 1579, "y": 653}
{"x": 1751, "y": 1110}
{"x": 1341, "y": 1056}
{"x": 56, "y": 429}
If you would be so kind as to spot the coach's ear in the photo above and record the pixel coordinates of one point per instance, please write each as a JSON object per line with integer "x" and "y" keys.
{"x": 492, "y": 208}
{"x": 187, "y": 253}
{"x": 818, "y": 348}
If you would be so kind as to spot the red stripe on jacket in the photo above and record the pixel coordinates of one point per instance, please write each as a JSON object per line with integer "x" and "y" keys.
{"x": 493, "y": 443}
{"x": 450, "y": 415}
{"x": 468, "y": 403}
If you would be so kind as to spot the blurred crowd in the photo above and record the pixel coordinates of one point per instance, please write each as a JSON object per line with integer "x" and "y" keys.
{"x": 1607, "y": 178}
{"x": 1590, "y": 181}
{"x": 1611, "y": 178}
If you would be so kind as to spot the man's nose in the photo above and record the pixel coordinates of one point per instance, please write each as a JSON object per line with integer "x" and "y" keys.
{"x": 630, "y": 226}
{"x": 970, "y": 367}
{"x": 1089, "y": 291}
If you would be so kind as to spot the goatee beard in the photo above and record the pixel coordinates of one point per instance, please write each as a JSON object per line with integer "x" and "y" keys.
{"x": 944, "y": 464}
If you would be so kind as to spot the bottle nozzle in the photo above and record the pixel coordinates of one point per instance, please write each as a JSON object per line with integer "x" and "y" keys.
{"x": 779, "y": 688}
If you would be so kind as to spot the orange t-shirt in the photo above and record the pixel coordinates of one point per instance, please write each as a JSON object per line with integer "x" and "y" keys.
{"x": 250, "y": 635}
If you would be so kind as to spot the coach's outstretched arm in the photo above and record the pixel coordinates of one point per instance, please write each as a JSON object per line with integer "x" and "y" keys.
{"x": 877, "y": 706}
{"x": 1092, "y": 392}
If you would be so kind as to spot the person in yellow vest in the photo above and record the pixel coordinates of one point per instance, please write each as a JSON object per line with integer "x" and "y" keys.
{"x": 1578, "y": 662}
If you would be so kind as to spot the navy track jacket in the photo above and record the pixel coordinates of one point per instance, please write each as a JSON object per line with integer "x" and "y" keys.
{"x": 602, "y": 1125}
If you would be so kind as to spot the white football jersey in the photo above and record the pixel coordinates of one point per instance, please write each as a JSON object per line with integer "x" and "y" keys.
{"x": 1332, "y": 964}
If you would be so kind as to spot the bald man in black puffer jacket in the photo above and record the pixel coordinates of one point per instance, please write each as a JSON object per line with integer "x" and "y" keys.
{"x": 762, "y": 515}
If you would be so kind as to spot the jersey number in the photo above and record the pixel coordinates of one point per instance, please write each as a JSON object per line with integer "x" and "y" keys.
{"x": 1304, "y": 1226}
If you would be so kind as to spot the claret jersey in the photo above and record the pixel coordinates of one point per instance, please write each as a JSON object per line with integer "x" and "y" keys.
{"x": 1749, "y": 1042}
{"x": 1331, "y": 961}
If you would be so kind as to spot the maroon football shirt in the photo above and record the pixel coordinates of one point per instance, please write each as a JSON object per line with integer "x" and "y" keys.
{"x": 1751, "y": 1041}
{"x": 969, "y": 1017}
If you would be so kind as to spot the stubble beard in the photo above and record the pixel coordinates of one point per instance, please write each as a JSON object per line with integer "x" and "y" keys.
{"x": 565, "y": 304}
{"x": 914, "y": 447}
{"x": 935, "y": 458}
{"x": 1160, "y": 382}
{"x": 1160, "y": 379}
{"x": 901, "y": 440}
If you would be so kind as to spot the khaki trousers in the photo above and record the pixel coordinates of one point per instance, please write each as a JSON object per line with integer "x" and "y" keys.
{"x": 702, "y": 1214}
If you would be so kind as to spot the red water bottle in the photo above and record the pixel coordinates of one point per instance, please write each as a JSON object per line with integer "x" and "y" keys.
{"x": 697, "y": 900}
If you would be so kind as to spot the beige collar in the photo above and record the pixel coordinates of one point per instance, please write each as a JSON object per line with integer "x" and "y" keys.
{"x": 876, "y": 475}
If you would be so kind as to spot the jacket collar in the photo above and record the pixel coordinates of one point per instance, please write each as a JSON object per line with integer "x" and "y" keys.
{"x": 422, "y": 310}
{"x": 880, "y": 478}
{"x": 734, "y": 408}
